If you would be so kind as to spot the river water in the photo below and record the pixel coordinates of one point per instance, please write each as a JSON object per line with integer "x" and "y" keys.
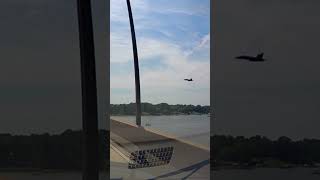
{"x": 193, "y": 128}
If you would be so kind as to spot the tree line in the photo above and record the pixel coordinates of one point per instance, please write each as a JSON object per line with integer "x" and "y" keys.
{"x": 45, "y": 151}
{"x": 259, "y": 149}
{"x": 158, "y": 109}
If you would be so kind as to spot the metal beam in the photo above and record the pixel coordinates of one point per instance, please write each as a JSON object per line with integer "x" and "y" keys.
{"x": 89, "y": 92}
{"x": 136, "y": 66}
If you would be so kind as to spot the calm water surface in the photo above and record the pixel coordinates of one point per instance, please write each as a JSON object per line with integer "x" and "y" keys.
{"x": 194, "y": 128}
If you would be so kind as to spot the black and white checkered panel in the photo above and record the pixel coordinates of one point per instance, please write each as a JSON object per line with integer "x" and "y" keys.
{"x": 150, "y": 157}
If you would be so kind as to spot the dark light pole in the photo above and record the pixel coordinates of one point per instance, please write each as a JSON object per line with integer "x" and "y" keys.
{"x": 136, "y": 66}
{"x": 90, "y": 141}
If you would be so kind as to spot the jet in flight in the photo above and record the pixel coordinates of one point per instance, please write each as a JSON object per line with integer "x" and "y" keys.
{"x": 258, "y": 58}
{"x": 188, "y": 79}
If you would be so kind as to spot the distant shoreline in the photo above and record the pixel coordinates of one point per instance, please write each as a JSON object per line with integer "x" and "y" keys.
{"x": 159, "y": 109}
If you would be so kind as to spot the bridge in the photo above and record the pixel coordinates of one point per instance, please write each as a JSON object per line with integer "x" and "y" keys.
{"x": 171, "y": 157}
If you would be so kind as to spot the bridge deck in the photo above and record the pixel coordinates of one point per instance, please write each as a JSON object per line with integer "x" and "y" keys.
{"x": 188, "y": 160}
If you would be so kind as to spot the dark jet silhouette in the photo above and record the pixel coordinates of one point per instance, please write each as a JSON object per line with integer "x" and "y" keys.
{"x": 188, "y": 79}
{"x": 258, "y": 58}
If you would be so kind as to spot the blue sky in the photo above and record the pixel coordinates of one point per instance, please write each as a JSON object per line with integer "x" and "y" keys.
{"x": 173, "y": 38}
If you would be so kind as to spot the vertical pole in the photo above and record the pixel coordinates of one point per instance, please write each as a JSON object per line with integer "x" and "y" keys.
{"x": 136, "y": 66}
{"x": 89, "y": 92}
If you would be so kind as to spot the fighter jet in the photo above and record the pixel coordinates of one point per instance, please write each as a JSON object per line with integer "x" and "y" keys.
{"x": 258, "y": 58}
{"x": 188, "y": 79}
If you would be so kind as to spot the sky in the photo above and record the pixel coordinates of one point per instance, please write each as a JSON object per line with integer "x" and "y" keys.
{"x": 280, "y": 96}
{"x": 173, "y": 40}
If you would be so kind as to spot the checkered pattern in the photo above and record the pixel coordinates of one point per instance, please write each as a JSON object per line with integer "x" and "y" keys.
{"x": 150, "y": 157}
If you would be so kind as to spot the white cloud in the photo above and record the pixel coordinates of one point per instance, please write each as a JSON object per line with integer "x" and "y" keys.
{"x": 120, "y": 47}
{"x": 204, "y": 43}
{"x": 164, "y": 79}
{"x": 119, "y": 10}
{"x": 163, "y": 84}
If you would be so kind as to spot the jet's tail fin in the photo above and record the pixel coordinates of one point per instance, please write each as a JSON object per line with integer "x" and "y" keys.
{"x": 260, "y": 56}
